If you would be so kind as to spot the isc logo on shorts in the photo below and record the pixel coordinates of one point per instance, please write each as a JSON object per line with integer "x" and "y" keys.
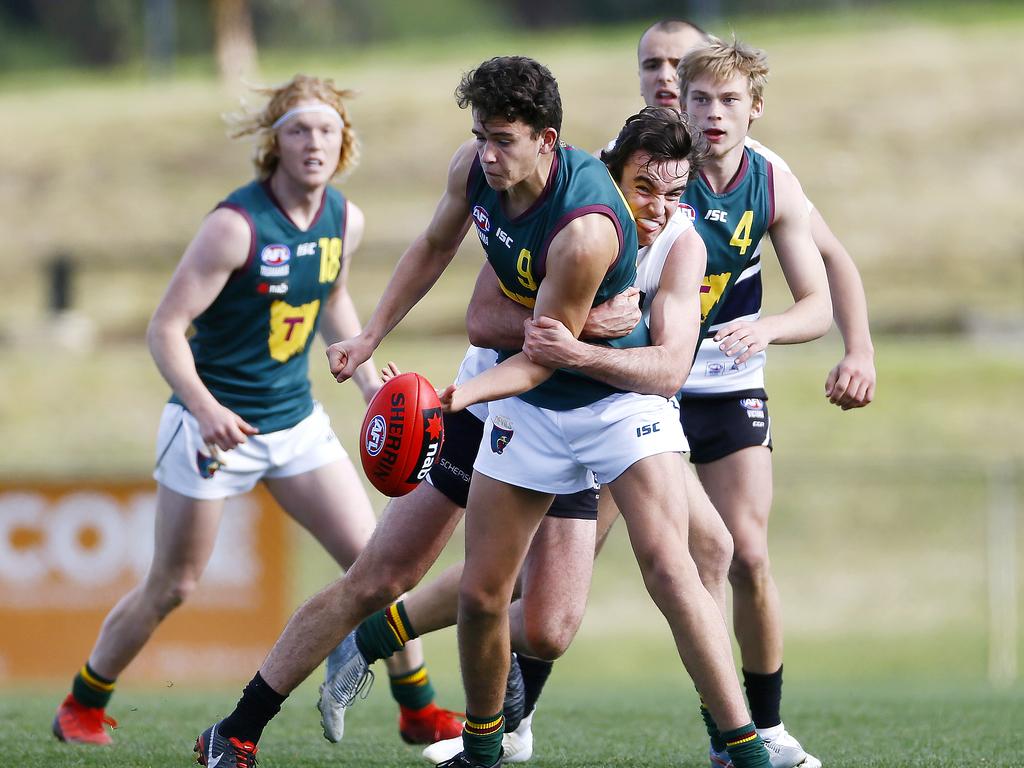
{"x": 648, "y": 429}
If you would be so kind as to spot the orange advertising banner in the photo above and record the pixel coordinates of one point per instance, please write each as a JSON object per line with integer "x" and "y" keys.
{"x": 69, "y": 552}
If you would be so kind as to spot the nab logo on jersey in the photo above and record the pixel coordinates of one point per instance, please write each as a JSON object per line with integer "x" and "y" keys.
{"x": 275, "y": 255}
{"x": 483, "y": 220}
{"x": 716, "y": 215}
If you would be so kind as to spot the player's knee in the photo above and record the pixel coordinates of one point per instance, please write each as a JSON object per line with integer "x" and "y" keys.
{"x": 749, "y": 565}
{"x": 549, "y": 640}
{"x": 478, "y": 602}
{"x": 167, "y": 594}
{"x": 713, "y": 556}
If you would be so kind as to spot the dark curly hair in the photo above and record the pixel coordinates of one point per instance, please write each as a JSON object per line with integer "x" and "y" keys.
{"x": 662, "y": 133}
{"x": 512, "y": 88}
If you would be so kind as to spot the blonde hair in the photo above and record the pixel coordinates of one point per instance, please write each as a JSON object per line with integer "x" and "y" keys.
{"x": 724, "y": 61}
{"x": 279, "y": 100}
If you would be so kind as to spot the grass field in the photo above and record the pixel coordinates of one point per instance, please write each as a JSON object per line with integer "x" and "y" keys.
{"x": 636, "y": 722}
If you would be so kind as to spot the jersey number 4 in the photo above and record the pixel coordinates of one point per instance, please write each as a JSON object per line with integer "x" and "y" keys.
{"x": 741, "y": 235}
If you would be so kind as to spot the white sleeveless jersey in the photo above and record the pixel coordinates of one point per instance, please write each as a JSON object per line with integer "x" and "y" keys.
{"x": 650, "y": 260}
{"x": 476, "y": 361}
{"x": 774, "y": 159}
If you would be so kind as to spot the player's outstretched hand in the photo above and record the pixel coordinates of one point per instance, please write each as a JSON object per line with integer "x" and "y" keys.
{"x": 223, "y": 428}
{"x": 344, "y": 357}
{"x": 851, "y": 384}
{"x": 549, "y": 343}
{"x": 448, "y": 398}
{"x": 388, "y": 372}
{"x": 614, "y": 318}
{"x": 743, "y": 339}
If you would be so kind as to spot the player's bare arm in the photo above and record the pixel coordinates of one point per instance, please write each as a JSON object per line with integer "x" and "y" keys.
{"x": 811, "y": 312}
{"x": 659, "y": 369}
{"x": 219, "y": 248}
{"x": 339, "y": 319}
{"x": 851, "y": 383}
{"x": 578, "y": 259}
{"x": 416, "y": 272}
{"x": 494, "y": 320}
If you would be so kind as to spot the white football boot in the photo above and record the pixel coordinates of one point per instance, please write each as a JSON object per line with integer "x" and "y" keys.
{"x": 517, "y": 746}
{"x": 784, "y": 751}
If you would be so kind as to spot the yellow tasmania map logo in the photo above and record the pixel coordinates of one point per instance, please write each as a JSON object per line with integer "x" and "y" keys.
{"x": 711, "y": 291}
{"x": 290, "y": 328}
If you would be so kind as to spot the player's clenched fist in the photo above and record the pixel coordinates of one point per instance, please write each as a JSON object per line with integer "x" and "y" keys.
{"x": 344, "y": 357}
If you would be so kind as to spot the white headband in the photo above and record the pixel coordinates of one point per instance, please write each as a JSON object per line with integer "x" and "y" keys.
{"x": 294, "y": 111}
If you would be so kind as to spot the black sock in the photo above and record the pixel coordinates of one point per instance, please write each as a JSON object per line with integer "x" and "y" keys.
{"x": 256, "y": 708}
{"x": 535, "y": 675}
{"x": 764, "y": 692}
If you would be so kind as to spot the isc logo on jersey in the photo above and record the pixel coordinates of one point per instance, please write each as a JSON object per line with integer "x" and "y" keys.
{"x": 274, "y": 260}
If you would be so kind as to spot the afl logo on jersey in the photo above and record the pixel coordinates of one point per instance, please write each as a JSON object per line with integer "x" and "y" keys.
{"x": 483, "y": 220}
{"x": 275, "y": 255}
{"x": 688, "y": 210}
{"x": 752, "y": 403}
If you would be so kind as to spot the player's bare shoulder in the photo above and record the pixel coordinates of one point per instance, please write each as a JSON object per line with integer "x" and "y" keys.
{"x": 586, "y": 238}
{"x": 460, "y": 166}
{"x": 790, "y": 201}
{"x": 223, "y": 240}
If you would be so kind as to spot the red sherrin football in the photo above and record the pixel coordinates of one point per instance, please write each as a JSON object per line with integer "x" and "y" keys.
{"x": 402, "y": 434}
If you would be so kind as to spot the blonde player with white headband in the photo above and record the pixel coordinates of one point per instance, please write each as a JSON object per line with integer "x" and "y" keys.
{"x": 268, "y": 267}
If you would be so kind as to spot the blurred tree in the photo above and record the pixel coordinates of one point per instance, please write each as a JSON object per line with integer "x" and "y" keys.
{"x": 99, "y": 32}
{"x": 236, "y": 45}
{"x": 160, "y": 23}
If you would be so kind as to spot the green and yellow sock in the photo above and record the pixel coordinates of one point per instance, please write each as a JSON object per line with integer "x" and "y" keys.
{"x": 481, "y": 737}
{"x": 91, "y": 689}
{"x": 746, "y": 750}
{"x": 717, "y": 742}
{"x": 384, "y": 633}
{"x": 412, "y": 689}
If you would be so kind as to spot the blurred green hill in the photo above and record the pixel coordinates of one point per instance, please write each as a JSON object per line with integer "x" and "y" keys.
{"x": 904, "y": 131}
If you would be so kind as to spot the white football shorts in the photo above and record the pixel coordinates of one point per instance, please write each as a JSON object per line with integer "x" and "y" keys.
{"x": 564, "y": 452}
{"x": 184, "y": 464}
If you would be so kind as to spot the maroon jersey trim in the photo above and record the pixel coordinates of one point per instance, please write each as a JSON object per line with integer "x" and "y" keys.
{"x": 252, "y": 237}
{"x": 603, "y": 210}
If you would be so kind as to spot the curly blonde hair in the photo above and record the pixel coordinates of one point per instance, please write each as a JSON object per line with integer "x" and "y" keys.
{"x": 279, "y": 100}
{"x": 723, "y": 61}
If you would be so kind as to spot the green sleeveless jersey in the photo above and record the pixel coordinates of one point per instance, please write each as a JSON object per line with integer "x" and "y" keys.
{"x": 732, "y": 225}
{"x": 251, "y": 346}
{"x": 578, "y": 184}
